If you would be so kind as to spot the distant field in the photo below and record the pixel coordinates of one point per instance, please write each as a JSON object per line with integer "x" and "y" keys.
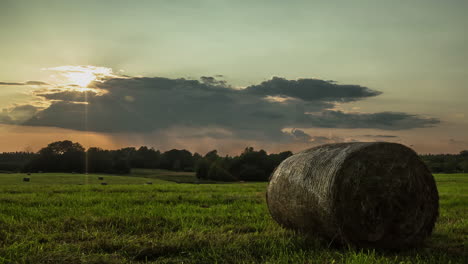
{"x": 138, "y": 176}
{"x": 173, "y": 176}
{"x": 69, "y": 179}
{"x": 53, "y": 219}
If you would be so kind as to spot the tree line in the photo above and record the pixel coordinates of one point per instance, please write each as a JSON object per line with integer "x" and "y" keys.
{"x": 447, "y": 163}
{"x": 250, "y": 165}
{"x": 68, "y": 156}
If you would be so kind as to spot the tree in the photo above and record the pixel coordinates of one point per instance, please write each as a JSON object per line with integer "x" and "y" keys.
{"x": 99, "y": 160}
{"x": 212, "y": 155}
{"x": 252, "y": 165}
{"x": 177, "y": 160}
{"x": 121, "y": 166}
{"x": 64, "y": 156}
{"x": 196, "y": 157}
{"x": 464, "y": 166}
{"x": 218, "y": 173}
{"x": 145, "y": 157}
{"x": 62, "y": 148}
{"x": 15, "y": 161}
{"x": 202, "y": 168}
{"x": 252, "y": 173}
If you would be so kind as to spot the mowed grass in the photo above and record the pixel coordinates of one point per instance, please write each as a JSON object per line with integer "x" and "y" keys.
{"x": 53, "y": 219}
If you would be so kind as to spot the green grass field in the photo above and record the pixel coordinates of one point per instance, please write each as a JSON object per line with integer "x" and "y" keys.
{"x": 71, "y": 218}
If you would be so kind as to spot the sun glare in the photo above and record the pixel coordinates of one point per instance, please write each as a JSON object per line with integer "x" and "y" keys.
{"x": 81, "y": 76}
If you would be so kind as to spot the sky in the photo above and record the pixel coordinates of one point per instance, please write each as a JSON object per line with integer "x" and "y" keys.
{"x": 219, "y": 74}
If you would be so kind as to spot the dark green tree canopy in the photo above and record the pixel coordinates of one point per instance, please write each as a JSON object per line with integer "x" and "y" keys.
{"x": 61, "y": 148}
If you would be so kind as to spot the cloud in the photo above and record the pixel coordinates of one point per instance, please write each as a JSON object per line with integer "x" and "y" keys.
{"x": 380, "y": 136}
{"x": 152, "y": 104}
{"x": 311, "y": 90}
{"x": 18, "y": 114}
{"x": 457, "y": 142}
{"x": 80, "y": 75}
{"x": 318, "y": 140}
{"x": 300, "y": 135}
{"x": 213, "y": 81}
{"x": 24, "y": 83}
{"x": 382, "y": 120}
{"x": 68, "y": 96}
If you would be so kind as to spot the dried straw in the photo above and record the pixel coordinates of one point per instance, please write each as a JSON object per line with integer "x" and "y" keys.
{"x": 372, "y": 194}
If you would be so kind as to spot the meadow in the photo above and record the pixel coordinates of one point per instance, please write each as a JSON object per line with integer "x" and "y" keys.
{"x": 72, "y": 218}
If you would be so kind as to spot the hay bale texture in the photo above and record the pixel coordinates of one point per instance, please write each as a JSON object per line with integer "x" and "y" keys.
{"x": 367, "y": 194}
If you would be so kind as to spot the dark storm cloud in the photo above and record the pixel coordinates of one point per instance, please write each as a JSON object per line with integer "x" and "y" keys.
{"x": 5, "y": 118}
{"x": 141, "y": 104}
{"x": 212, "y": 81}
{"x": 328, "y": 140}
{"x": 457, "y": 142}
{"x": 35, "y": 83}
{"x": 69, "y": 96}
{"x": 383, "y": 120}
{"x": 311, "y": 90}
{"x": 24, "y": 83}
{"x": 10, "y": 83}
{"x": 380, "y": 136}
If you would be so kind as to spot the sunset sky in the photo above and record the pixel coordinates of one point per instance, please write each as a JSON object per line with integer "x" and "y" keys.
{"x": 219, "y": 74}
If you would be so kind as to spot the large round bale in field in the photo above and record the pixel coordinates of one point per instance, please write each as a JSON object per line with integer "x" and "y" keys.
{"x": 368, "y": 194}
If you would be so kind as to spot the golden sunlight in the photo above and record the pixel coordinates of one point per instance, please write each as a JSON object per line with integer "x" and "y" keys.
{"x": 81, "y": 76}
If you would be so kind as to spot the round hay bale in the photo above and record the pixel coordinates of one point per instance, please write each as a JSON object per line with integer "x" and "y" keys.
{"x": 368, "y": 194}
{"x": 26, "y": 179}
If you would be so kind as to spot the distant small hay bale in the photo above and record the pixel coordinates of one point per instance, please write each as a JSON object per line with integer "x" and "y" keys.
{"x": 26, "y": 179}
{"x": 28, "y": 173}
{"x": 373, "y": 194}
{"x": 103, "y": 183}
{"x": 100, "y": 178}
{"x": 149, "y": 183}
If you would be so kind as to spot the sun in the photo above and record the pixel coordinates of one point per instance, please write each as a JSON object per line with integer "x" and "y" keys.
{"x": 82, "y": 79}
{"x": 80, "y": 76}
